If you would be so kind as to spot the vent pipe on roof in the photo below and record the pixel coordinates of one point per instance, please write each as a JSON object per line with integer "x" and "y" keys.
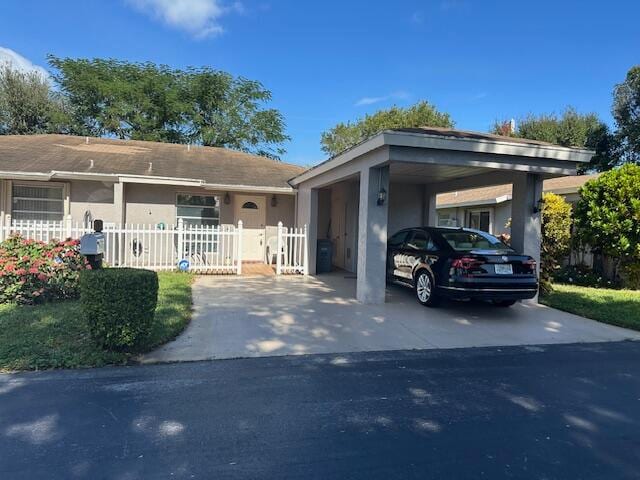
{"x": 90, "y": 163}
{"x": 150, "y": 166}
{"x": 86, "y": 140}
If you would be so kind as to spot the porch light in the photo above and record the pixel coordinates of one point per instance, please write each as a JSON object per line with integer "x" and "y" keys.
{"x": 274, "y": 201}
{"x": 538, "y": 206}
{"x": 227, "y": 199}
{"x": 382, "y": 196}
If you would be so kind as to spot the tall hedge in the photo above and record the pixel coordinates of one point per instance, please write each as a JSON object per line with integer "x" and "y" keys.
{"x": 118, "y": 305}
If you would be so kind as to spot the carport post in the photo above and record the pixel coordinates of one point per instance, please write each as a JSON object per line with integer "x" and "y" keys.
{"x": 526, "y": 228}
{"x": 372, "y": 235}
{"x": 308, "y": 215}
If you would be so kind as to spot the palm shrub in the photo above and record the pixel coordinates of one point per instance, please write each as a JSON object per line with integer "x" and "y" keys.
{"x": 119, "y": 305}
{"x": 556, "y": 237}
{"x": 607, "y": 217}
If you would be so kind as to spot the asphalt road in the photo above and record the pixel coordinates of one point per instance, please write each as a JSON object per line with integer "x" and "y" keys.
{"x": 557, "y": 412}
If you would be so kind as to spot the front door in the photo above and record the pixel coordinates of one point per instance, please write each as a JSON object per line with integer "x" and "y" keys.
{"x": 252, "y": 210}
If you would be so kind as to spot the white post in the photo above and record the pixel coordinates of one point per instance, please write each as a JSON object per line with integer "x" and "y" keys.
{"x": 67, "y": 227}
{"x": 180, "y": 252}
{"x": 279, "y": 250}
{"x": 239, "y": 256}
{"x": 305, "y": 268}
{"x": 2, "y": 226}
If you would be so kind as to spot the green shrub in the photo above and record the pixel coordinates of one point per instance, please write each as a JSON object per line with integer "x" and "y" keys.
{"x": 32, "y": 271}
{"x": 583, "y": 276}
{"x": 556, "y": 236}
{"x": 118, "y": 305}
{"x": 631, "y": 275}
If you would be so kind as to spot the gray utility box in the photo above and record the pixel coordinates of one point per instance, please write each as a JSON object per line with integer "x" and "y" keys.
{"x": 324, "y": 256}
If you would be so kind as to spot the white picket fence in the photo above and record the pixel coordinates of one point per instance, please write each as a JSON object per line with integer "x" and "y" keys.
{"x": 202, "y": 249}
{"x": 292, "y": 245}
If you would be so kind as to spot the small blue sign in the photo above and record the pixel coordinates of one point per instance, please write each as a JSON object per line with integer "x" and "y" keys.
{"x": 183, "y": 265}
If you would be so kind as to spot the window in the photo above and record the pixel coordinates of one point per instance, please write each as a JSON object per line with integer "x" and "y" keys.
{"x": 447, "y": 219}
{"x": 198, "y": 209}
{"x": 467, "y": 241}
{"x": 479, "y": 220}
{"x": 398, "y": 239}
{"x": 250, "y": 206}
{"x": 420, "y": 240}
{"x": 36, "y": 202}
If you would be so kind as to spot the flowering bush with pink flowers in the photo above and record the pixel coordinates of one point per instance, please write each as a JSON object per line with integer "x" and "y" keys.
{"x": 33, "y": 272}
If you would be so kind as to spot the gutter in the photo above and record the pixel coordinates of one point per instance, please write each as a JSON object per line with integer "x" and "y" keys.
{"x": 142, "y": 179}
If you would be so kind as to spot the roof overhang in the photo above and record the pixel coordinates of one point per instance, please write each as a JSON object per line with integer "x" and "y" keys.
{"x": 142, "y": 179}
{"x": 391, "y": 138}
{"x": 475, "y": 203}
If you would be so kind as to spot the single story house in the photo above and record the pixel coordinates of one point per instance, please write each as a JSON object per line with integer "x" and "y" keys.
{"x": 489, "y": 208}
{"x": 48, "y": 177}
{"x": 356, "y": 199}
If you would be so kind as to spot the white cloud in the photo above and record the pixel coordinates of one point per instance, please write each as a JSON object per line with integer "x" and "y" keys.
{"x": 199, "y": 18}
{"x": 18, "y": 62}
{"x": 399, "y": 95}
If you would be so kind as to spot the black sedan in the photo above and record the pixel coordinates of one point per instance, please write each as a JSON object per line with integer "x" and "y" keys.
{"x": 459, "y": 263}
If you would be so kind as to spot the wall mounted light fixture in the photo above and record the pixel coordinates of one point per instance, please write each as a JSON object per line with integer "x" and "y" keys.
{"x": 274, "y": 201}
{"x": 382, "y": 193}
{"x": 227, "y": 199}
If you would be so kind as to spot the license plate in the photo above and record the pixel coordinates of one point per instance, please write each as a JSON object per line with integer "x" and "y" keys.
{"x": 504, "y": 269}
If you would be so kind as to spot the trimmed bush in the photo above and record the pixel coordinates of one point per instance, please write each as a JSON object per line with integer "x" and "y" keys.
{"x": 118, "y": 305}
{"x": 32, "y": 271}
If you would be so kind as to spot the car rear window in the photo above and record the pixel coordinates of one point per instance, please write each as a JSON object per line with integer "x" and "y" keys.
{"x": 467, "y": 241}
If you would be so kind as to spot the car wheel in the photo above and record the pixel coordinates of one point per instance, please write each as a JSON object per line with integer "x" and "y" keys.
{"x": 504, "y": 303}
{"x": 424, "y": 289}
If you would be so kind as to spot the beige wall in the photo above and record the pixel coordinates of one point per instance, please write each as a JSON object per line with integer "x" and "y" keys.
{"x": 147, "y": 204}
{"x": 96, "y": 198}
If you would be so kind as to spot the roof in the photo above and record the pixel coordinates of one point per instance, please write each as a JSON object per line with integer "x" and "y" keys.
{"x": 455, "y": 140}
{"x": 501, "y": 193}
{"x": 66, "y": 156}
{"x": 467, "y": 134}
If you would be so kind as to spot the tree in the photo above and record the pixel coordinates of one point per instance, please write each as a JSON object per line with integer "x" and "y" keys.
{"x": 556, "y": 236}
{"x": 145, "y": 101}
{"x": 28, "y": 105}
{"x": 346, "y": 135}
{"x": 607, "y": 215}
{"x": 626, "y": 112}
{"x": 572, "y": 129}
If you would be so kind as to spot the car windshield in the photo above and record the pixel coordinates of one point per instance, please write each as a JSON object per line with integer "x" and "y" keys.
{"x": 466, "y": 241}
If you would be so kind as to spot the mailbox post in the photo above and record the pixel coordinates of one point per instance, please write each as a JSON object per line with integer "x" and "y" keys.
{"x": 92, "y": 245}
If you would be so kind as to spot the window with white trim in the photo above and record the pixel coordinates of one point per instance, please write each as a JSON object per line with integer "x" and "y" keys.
{"x": 447, "y": 219}
{"x": 198, "y": 209}
{"x": 37, "y": 202}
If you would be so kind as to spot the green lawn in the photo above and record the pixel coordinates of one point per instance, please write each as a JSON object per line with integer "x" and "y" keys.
{"x": 54, "y": 335}
{"x": 617, "y": 307}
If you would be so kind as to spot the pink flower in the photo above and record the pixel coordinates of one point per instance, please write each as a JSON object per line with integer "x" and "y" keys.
{"x": 21, "y": 271}
{"x": 25, "y": 258}
{"x": 42, "y": 277}
{"x": 9, "y": 267}
{"x": 33, "y": 270}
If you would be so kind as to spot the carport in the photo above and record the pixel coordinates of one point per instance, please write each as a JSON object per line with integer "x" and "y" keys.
{"x": 391, "y": 180}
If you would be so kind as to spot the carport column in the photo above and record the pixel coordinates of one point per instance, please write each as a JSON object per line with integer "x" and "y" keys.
{"x": 526, "y": 234}
{"x": 372, "y": 235}
{"x": 429, "y": 208}
{"x": 308, "y": 215}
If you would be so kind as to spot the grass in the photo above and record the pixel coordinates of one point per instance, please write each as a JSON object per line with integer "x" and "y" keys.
{"x": 54, "y": 335}
{"x": 617, "y": 307}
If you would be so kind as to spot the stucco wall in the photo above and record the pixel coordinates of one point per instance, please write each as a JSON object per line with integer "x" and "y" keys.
{"x": 405, "y": 206}
{"x": 94, "y": 198}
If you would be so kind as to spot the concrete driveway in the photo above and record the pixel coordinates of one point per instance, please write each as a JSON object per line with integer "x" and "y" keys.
{"x": 263, "y": 316}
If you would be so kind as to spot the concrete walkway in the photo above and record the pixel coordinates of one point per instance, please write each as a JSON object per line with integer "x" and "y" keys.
{"x": 264, "y": 316}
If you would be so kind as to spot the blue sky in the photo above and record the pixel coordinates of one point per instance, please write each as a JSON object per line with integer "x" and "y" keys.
{"x": 334, "y": 61}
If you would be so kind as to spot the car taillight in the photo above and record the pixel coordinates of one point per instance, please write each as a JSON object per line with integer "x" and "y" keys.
{"x": 530, "y": 264}
{"x": 466, "y": 263}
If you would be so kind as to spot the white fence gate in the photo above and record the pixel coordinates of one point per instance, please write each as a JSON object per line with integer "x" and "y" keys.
{"x": 203, "y": 249}
{"x": 292, "y": 247}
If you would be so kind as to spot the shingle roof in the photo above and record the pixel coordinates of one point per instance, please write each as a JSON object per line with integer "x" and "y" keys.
{"x": 66, "y": 153}
{"x": 496, "y": 193}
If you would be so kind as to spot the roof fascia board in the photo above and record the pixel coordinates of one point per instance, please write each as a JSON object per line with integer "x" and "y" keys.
{"x": 495, "y": 147}
{"x": 366, "y": 146}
